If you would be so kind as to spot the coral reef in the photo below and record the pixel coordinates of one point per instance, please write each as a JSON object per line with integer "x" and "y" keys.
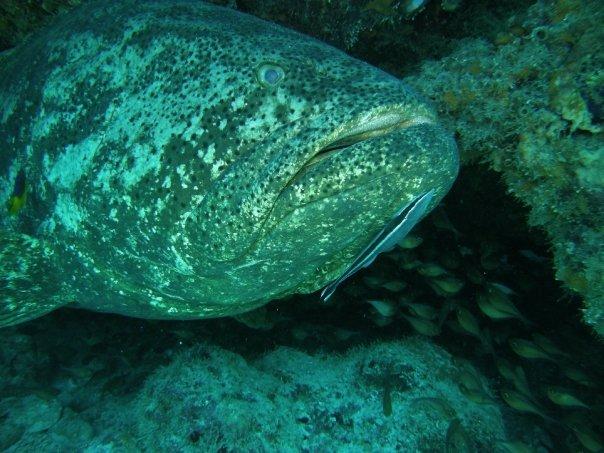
{"x": 530, "y": 104}
{"x": 86, "y": 390}
{"x": 311, "y": 402}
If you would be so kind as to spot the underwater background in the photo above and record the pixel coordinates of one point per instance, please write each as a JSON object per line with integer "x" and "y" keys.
{"x": 481, "y": 331}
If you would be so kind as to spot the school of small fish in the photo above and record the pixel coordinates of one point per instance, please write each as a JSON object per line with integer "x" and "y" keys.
{"x": 486, "y": 313}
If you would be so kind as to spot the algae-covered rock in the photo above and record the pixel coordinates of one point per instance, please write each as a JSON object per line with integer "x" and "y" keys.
{"x": 530, "y": 105}
{"x": 32, "y": 413}
{"x": 404, "y": 393}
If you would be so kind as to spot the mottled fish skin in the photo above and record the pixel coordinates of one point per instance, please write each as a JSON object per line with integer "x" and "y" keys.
{"x": 170, "y": 176}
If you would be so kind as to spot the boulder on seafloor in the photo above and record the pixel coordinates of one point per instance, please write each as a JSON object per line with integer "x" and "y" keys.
{"x": 403, "y": 393}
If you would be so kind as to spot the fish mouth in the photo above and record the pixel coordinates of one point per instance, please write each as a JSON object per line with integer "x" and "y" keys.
{"x": 368, "y": 126}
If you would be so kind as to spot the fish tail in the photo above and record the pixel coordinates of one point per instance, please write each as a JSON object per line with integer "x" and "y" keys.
{"x": 28, "y": 284}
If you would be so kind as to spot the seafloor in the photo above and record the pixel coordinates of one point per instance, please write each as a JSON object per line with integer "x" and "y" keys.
{"x": 520, "y": 84}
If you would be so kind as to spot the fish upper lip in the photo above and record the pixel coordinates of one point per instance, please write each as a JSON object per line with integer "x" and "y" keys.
{"x": 369, "y": 125}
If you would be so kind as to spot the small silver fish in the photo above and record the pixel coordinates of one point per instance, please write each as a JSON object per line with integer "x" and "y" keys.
{"x": 468, "y": 322}
{"x": 423, "y": 326}
{"x": 528, "y": 349}
{"x": 563, "y": 397}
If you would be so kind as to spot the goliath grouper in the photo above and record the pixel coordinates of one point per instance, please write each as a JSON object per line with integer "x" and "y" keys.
{"x": 186, "y": 161}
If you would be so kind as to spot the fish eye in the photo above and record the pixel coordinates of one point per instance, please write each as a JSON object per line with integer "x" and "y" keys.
{"x": 270, "y": 74}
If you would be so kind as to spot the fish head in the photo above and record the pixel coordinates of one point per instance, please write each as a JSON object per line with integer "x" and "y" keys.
{"x": 323, "y": 151}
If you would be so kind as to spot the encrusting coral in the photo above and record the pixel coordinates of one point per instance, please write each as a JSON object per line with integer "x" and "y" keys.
{"x": 530, "y": 106}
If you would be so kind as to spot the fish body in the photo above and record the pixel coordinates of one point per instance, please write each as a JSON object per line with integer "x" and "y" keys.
{"x": 528, "y": 349}
{"x": 431, "y": 270}
{"x": 522, "y": 403}
{"x": 588, "y": 439}
{"x": 489, "y": 310}
{"x": 190, "y": 161}
{"x": 373, "y": 282}
{"x": 446, "y": 286}
{"x": 515, "y": 375}
{"x": 505, "y": 369}
{"x": 387, "y": 399}
{"x": 515, "y": 447}
{"x": 423, "y": 326}
{"x": 424, "y": 311}
{"x": 478, "y": 396}
{"x": 495, "y": 303}
{"x": 519, "y": 402}
{"x": 471, "y": 386}
{"x": 577, "y": 375}
{"x": 410, "y": 241}
{"x": 386, "y": 308}
{"x": 441, "y": 220}
{"x": 394, "y": 286}
{"x": 548, "y": 346}
{"x": 564, "y": 398}
{"x": 521, "y": 382}
{"x": 395, "y": 230}
{"x": 468, "y": 322}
